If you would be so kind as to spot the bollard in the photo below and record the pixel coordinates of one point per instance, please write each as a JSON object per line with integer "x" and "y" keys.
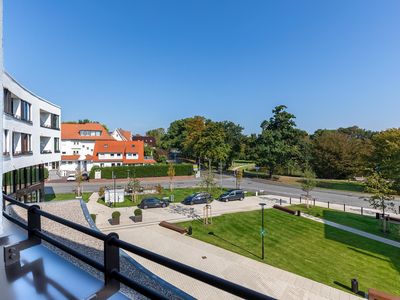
{"x": 256, "y": 193}
{"x": 344, "y": 207}
{"x": 354, "y": 286}
{"x": 300, "y": 199}
{"x": 362, "y": 212}
{"x": 280, "y": 202}
{"x": 290, "y": 200}
{"x": 314, "y": 201}
{"x": 328, "y": 204}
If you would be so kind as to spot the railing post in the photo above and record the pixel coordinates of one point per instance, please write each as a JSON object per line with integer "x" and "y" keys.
{"x": 111, "y": 261}
{"x": 34, "y": 223}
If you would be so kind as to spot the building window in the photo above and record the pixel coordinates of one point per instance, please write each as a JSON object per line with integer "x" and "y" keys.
{"x": 90, "y": 132}
{"x": 56, "y": 145}
{"x": 25, "y": 111}
{"x": 55, "y": 121}
{"x": 112, "y": 154}
{"x": 64, "y": 152}
{"x": 101, "y": 165}
{"x": 5, "y": 143}
{"x": 8, "y": 102}
{"x": 26, "y": 143}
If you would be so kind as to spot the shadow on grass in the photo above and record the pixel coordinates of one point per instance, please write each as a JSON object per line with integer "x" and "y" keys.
{"x": 363, "y": 245}
{"x": 348, "y": 288}
{"x": 228, "y": 242}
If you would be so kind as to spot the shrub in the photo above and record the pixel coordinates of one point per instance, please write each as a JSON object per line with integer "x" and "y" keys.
{"x": 101, "y": 191}
{"x": 137, "y": 212}
{"x": 93, "y": 216}
{"x": 159, "y": 188}
{"x": 156, "y": 170}
{"x": 46, "y": 173}
{"x": 116, "y": 214}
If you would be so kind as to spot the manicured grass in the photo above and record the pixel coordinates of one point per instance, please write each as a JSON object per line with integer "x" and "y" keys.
{"x": 305, "y": 247}
{"x": 66, "y": 196}
{"x": 351, "y": 186}
{"x": 365, "y": 223}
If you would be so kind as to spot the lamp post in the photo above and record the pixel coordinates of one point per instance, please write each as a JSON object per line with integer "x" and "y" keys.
{"x": 113, "y": 177}
{"x": 262, "y": 229}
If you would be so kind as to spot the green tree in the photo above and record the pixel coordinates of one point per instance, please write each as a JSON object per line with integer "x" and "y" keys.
{"x": 171, "y": 174}
{"x": 175, "y": 135}
{"x": 338, "y": 155}
{"x": 386, "y": 155}
{"x": 308, "y": 183}
{"x": 239, "y": 177}
{"x": 382, "y": 195}
{"x": 157, "y": 134}
{"x": 135, "y": 186}
{"x": 278, "y": 143}
{"x": 211, "y": 144}
{"x": 235, "y": 139}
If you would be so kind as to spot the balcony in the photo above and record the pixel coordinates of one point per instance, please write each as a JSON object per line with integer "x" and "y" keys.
{"x": 22, "y": 153}
{"x": 49, "y": 120}
{"x": 18, "y": 117}
{"x": 24, "y": 257}
{"x": 44, "y": 125}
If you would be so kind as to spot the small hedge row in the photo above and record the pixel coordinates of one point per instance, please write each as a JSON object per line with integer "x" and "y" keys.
{"x": 157, "y": 170}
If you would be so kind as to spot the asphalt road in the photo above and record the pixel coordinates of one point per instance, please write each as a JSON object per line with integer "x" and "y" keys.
{"x": 253, "y": 184}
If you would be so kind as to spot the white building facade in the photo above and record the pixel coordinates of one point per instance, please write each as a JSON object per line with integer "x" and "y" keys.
{"x": 30, "y": 140}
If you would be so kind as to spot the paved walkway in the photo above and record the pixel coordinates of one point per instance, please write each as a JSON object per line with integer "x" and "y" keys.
{"x": 353, "y": 230}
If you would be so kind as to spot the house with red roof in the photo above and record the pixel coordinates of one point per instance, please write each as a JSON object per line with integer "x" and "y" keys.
{"x": 86, "y": 145}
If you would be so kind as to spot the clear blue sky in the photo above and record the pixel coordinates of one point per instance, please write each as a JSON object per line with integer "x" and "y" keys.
{"x": 142, "y": 64}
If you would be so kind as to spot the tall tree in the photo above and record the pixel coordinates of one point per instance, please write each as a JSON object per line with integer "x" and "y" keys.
{"x": 157, "y": 134}
{"x": 235, "y": 139}
{"x": 212, "y": 144}
{"x": 386, "y": 154}
{"x": 278, "y": 143}
{"x": 338, "y": 155}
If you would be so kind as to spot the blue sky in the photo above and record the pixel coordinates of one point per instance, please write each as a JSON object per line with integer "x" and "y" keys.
{"x": 142, "y": 64}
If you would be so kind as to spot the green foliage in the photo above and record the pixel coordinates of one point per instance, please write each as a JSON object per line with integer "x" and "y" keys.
{"x": 157, "y": 170}
{"x": 208, "y": 181}
{"x": 46, "y": 173}
{"x": 137, "y": 212}
{"x": 381, "y": 193}
{"x": 159, "y": 189}
{"x": 308, "y": 183}
{"x": 115, "y": 214}
{"x": 279, "y": 142}
{"x": 157, "y": 134}
{"x": 386, "y": 155}
{"x": 338, "y": 155}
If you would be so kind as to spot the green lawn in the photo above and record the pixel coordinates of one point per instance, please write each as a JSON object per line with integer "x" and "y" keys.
{"x": 365, "y": 223}
{"x": 179, "y": 195}
{"x": 307, "y": 248}
{"x": 65, "y": 196}
{"x": 351, "y": 186}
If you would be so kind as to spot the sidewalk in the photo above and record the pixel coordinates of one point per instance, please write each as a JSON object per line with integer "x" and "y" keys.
{"x": 353, "y": 230}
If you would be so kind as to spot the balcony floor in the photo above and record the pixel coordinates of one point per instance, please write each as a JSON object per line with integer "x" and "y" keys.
{"x": 54, "y": 277}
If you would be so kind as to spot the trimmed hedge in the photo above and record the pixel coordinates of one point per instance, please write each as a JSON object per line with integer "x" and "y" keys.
{"x": 157, "y": 170}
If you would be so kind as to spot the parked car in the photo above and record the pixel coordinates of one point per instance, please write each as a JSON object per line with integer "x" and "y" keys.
{"x": 232, "y": 195}
{"x": 197, "y": 198}
{"x": 71, "y": 178}
{"x": 152, "y": 203}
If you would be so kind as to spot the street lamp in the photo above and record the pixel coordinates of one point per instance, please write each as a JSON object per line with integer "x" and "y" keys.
{"x": 262, "y": 229}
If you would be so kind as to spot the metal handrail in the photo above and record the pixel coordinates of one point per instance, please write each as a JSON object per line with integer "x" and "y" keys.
{"x": 112, "y": 245}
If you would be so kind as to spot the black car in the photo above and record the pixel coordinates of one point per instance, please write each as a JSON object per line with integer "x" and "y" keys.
{"x": 197, "y": 198}
{"x": 152, "y": 203}
{"x": 232, "y": 195}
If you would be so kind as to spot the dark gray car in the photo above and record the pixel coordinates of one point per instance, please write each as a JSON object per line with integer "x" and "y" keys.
{"x": 152, "y": 203}
{"x": 232, "y": 195}
{"x": 197, "y": 198}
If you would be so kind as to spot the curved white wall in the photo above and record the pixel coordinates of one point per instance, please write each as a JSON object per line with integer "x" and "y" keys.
{"x": 11, "y": 162}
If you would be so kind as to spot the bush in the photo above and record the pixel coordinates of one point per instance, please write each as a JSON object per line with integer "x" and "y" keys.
{"x": 137, "y": 212}
{"x": 93, "y": 216}
{"x": 156, "y": 170}
{"x": 116, "y": 214}
{"x": 101, "y": 191}
{"x": 159, "y": 188}
{"x": 46, "y": 173}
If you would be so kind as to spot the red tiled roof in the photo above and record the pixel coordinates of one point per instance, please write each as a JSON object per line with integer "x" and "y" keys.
{"x": 123, "y": 147}
{"x": 70, "y": 157}
{"x": 126, "y": 134}
{"x": 71, "y": 131}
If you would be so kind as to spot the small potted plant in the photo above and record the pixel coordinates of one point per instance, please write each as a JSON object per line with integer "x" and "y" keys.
{"x": 115, "y": 217}
{"x": 138, "y": 216}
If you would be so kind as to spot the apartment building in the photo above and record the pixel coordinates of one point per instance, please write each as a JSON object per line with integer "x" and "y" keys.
{"x": 31, "y": 140}
{"x": 120, "y": 153}
{"x": 120, "y": 134}
{"x": 77, "y": 145}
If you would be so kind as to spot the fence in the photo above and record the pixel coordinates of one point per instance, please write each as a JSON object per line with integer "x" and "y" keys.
{"x": 112, "y": 245}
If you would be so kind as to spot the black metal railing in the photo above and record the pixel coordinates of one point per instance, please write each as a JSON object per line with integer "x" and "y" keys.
{"x": 112, "y": 245}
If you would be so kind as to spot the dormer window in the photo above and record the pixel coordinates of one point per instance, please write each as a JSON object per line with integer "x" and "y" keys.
{"x": 105, "y": 145}
{"x": 90, "y": 132}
